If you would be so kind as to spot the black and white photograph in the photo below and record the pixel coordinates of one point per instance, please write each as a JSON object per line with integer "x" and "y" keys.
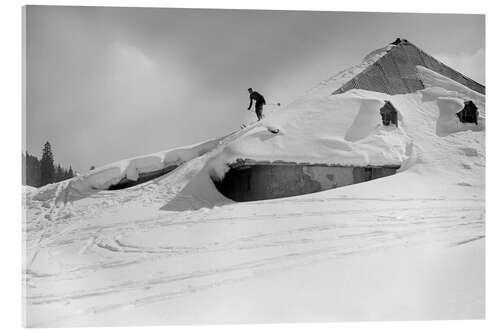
{"x": 186, "y": 166}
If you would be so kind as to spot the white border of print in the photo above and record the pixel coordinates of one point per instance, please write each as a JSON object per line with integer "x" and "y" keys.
{"x": 10, "y": 97}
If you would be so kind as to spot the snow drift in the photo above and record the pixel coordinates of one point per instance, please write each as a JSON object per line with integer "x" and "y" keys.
{"x": 105, "y": 176}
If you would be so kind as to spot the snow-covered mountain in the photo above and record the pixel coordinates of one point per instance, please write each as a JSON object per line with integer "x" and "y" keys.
{"x": 175, "y": 250}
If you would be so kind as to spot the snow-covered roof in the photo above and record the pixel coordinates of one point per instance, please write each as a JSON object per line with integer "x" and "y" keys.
{"x": 318, "y": 127}
{"x": 393, "y": 70}
{"x": 333, "y": 129}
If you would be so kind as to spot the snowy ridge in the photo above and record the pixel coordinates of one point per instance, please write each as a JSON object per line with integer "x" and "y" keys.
{"x": 103, "y": 177}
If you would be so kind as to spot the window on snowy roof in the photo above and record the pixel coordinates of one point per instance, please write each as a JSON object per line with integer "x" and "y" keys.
{"x": 389, "y": 114}
{"x": 469, "y": 113}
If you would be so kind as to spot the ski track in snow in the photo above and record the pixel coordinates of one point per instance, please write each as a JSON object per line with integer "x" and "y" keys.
{"x": 193, "y": 251}
{"x": 296, "y": 238}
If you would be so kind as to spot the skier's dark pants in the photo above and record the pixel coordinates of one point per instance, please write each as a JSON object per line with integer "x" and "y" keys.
{"x": 258, "y": 111}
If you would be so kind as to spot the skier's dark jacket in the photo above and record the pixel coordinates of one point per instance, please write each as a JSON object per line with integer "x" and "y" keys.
{"x": 259, "y": 99}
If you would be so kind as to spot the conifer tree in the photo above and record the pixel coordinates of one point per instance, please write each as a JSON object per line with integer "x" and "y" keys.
{"x": 47, "y": 165}
{"x": 59, "y": 173}
{"x": 32, "y": 169}
{"x": 31, "y": 166}
{"x": 70, "y": 172}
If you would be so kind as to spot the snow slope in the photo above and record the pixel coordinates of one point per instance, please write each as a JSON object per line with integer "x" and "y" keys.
{"x": 335, "y": 129}
{"x": 174, "y": 250}
{"x": 103, "y": 177}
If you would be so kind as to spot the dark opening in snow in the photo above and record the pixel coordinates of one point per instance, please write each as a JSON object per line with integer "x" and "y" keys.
{"x": 143, "y": 177}
{"x": 250, "y": 181}
{"x": 389, "y": 114}
{"x": 469, "y": 113}
{"x": 399, "y": 41}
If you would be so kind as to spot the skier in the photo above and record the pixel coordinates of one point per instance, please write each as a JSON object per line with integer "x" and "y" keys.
{"x": 259, "y": 102}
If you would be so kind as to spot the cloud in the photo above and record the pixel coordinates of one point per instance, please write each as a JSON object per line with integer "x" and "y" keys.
{"x": 470, "y": 64}
{"x": 127, "y": 57}
{"x": 134, "y": 78}
{"x": 131, "y": 73}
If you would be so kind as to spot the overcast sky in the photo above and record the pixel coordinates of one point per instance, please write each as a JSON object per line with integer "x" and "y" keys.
{"x": 105, "y": 84}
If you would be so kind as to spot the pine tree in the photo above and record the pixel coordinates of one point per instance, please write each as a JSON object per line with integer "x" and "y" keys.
{"x": 47, "y": 165}
{"x": 32, "y": 169}
{"x": 59, "y": 173}
{"x": 31, "y": 166}
{"x": 24, "y": 166}
{"x": 70, "y": 172}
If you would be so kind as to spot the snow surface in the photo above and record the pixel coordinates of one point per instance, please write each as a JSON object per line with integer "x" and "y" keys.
{"x": 443, "y": 86}
{"x": 103, "y": 177}
{"x": 174, "y": 250}
{"x": 341, "y": 129}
